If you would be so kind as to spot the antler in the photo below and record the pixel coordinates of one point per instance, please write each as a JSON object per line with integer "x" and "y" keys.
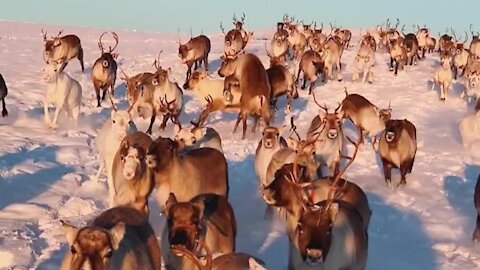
{"x": 266, "y": 50}
{"x": 165, "y": 104}
{"x": 221, "y": 27}
{"x": 205, "y": 113}
{"x": 178, "y": 35}
{"x": 193, "y": 257}
{"x": 387, "y": 24}
{"x": 471, "y": 29}
{"x": 466, "y": 37}
{"x": 156, "y": 63}
{"x": 397, "y": 24}
{"x": 44, "y": 35}
{"x": 335, "y": 188}
{"x": 191, "y": 34}
{"x": 242, "y": 19}
{"x": 110, "y": 49}
{"x": 124, "y": 74}
{"x": 59, "y": 33}
{"x": 293, "y": 129}
{"x": 234, "y": 18}
{"x": 318, "y": 104}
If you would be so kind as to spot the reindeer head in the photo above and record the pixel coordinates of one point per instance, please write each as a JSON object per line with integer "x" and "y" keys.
{"x": 91, "y": 246}
{"x": 107, "y": 56}
{"x": 228, "y": 65}
{"x": 314, "y": 232}
{"x": 393, "y": 131}
{"x": 473, "y": 81}
{"x": 51, "y": 46}
{"x": 161, "y": 152}
{"x": 122, "y": 124}
{"x": 446, "y": 61}
{"x": 189, "y": 137}
{"x": 271, "y": 137}
{"x": 331, "y": 122}
{"x": 238, "y": 24}
{"x": 133, "y": 160}
{"x": 184, "y": 221}
{"x": 195, "y": 79}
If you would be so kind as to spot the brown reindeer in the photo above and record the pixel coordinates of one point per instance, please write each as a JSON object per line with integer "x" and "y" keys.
{"x": 398, "y": 146}
{"x": 104, "y": 71}
{"x": 207, "y": 217}
{"x": 230, "y": 261}
{"x": 312, "y": 65}
{"x": 133, "y": 183}
{"x": 252, "y": 78}
{"x": 62, "y": 49}
{"x": 195, "y": 51}
{"x": 199, "y": 171}
{"x": 120, "y": 238}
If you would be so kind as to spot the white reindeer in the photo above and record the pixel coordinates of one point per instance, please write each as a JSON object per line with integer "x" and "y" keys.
{"x": 444, "y": 77}
{"x": 63, "y": 92}
{"x": 364, "y": 61}
{"x": 470, "y": 129}
{"x": 108, "y": 141}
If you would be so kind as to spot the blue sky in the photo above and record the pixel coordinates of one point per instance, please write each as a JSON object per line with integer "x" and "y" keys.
{"x": 168, "y": 16}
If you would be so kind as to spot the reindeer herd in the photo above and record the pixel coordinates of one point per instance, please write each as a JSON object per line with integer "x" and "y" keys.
{"x": 327, "y": 217}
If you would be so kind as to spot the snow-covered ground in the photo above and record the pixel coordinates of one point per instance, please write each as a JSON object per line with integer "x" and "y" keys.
{"x": 46, "y": 175}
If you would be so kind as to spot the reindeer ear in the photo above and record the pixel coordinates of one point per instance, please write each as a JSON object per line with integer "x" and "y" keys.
{"x": 70, "y": 232}
{"x": 322, "y": 114}
{"x": 254, "y": 265}
{"x": 172, "y": 200}
{"x": 333, "y": 211}
{"x": 340, "y": 114}
{"x": 292, "y": 143}
{"x": 117, "y": 233}
{"x": 198, "y": 133}
{"x": 200, "y": 208}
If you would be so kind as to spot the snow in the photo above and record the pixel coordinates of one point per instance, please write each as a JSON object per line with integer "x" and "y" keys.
{"x": 47, "y": 175}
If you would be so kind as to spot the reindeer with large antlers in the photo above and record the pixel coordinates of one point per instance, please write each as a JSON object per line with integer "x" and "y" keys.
{"x": 60, "y": 50}
{"x": 104, "y": 71}
{"x": 475, "y": 44}
{"x": 236, "y": 39}
{"x": 461, "y": 55}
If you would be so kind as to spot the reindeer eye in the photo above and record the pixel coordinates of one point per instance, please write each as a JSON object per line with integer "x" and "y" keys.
{"x": 109, "y": 254}
{"x": 73, "y": 250}
{"x": 113, "y": 121}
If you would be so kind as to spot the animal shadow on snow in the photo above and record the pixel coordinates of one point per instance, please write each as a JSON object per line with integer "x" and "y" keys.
{"x": 459, "y": 192}
{"x": 413, "y": 247}
{"x": 25, "y": 186}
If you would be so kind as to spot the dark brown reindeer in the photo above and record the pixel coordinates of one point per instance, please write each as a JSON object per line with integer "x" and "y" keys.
{"x": 194, "y": 52}
{"x": 60, "y": 50}
{"x": 104, "y": 71}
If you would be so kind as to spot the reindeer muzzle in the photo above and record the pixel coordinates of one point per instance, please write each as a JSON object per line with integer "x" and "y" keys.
{"x": 332, "y": 134}
{"x": 389, "y": 136}
{"x": 314, "y": 256}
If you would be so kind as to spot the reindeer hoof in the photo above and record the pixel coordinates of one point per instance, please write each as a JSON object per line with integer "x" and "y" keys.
{"x": 402, "y": 184}
{"x": 391, "y": 69}
{"x": 442, "y": 99}
{"x": 340, "y": 79}
{"x": 4, "y": 113}
{"x": 53, "y": 126}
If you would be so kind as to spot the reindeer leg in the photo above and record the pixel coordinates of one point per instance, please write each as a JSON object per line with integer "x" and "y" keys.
{"x": 387, "y": 171}
{"x": 403, "y": 172}
{"x": 205, "y": 62}
{"x": 370, "y": 76}
{"x": 4, "y": 108}
{"x": 476, "y": 232}
{"x": 54, "y": 124}
{"x": 310, "y": 89}
{"x": 255, "y": 123}
{"x": 164, "y": 122}
{"x": 80, "y": 58}
{"x": 298, "y": 76}
{"x": 455, "y": 72}
{"x": 244, "y": 122}
{"x": 339, "y": 71}
{"x": 396, "y": 68}
{"x": 152, "y": 120}
{"x": 238, "y": 122}
{"x": 47, "y": 118}
{"x": 304, "y": 82}
{"x": 97, "y": 92}
{"x": 391, "y": 64}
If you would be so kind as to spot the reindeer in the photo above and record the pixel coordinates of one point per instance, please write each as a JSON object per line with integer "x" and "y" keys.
{"x": 327, "y": 127}
{"x": 390, "y": 34}
{"x": 398, "y": 55}
{"x": 108, "y": 141}
{"x": 212, "y": 91}
{"x": 443, "y": 76}
{"x": 410, "y": 42}
{"x": 444, "y": 42}
{"x": 270, "y": 143}
{"x": 431, "y": 42}
{"x": 345, "y": 36}
{"x": 119, "y": 238}
{"x": 282, "y": 82}
{"x": 311, "y": 64}
{"x": 252, "y": 78}
{"x": 469, "y": 128}
{"x": 331, "y": 54}
{"x": 297, "y": 40}
{"x": 167, "y": 98}
{"x": 132, "y": 181}
{"x": 3, "y": 94}
{"x": 202, "y": 170}
{"x": 195, "y": 51}
{"x": 368, "y": 118}
{"x": 60, "y": 50}
{"x": 364, "y": 61}
{"x": 475, "y": 43}
{"x": 476, "y": 199}
{"x": 279, "y": 50}
{"x": 63, "y": 92}
{"x": 206, "y": 217}
{"x": 199, "y": 136}
{"x": 423, "y": 36}
{"x": 307, "y": 30}
{"x": 236, "y": 39}
{"x": 460, "y": 58}
{"x": 398, "y": 146}
{"x": 231, "y": 261}
{"x": 104, "y": 71}
{"x": 472, "y": 86}
{"x": 323, "y": 249}
{"x": 134, "y": 98}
